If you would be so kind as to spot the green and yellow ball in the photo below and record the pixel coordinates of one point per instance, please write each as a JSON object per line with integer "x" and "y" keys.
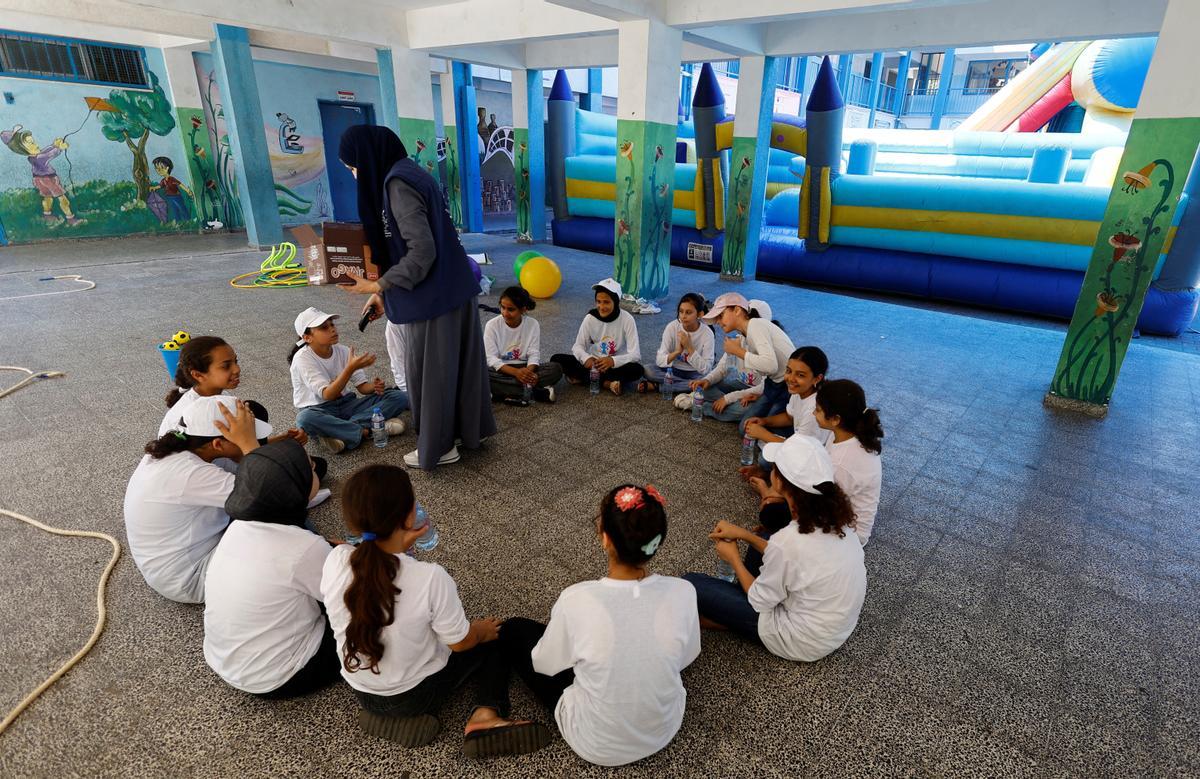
{"x": 182, "y": 337}
{"x": 169, "y": 346}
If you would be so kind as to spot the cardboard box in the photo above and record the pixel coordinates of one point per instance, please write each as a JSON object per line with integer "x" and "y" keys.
{"x": 339, "y": 253}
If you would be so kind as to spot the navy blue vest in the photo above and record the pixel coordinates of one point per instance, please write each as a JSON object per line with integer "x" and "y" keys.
{"x": 450, "y": 282}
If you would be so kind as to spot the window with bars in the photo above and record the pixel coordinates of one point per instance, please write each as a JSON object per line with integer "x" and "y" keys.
{"x": 67, "y": 59}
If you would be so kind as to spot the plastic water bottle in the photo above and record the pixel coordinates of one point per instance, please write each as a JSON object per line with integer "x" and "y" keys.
{"x": 594, "y": 379}
{"x": 725, "y": 571}
{"x": 668, "y": 380}
{"x": 379, "y": 428}
{"x": 698, "y": 406}
{"x": 428, "y": 539}
{"x": 749, "y": 450}
{"x": 527, "y": 393}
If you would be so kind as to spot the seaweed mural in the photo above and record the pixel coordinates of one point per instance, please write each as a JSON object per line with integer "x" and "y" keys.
{"x": 218, "y": 174}
{"x": 646, "y": 198}
{"x": 737, "y": 229}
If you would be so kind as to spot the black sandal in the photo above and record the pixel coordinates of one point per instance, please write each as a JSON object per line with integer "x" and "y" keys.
{"x": 516, "y": 739}
{"x": 406, "y": 731}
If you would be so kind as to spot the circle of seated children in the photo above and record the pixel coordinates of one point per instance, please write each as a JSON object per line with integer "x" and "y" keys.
{"x": 216, "y": 514}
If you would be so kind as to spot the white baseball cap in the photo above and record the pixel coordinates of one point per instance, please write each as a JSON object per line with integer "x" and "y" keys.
{"x": 724, "y": 301}
{"x": 762, "y": 307}
{"x": 200, "y": 418}
{"x": 609, "y": 284}
{"x": 802, "y": 460}
{"x": 310, "y": 317}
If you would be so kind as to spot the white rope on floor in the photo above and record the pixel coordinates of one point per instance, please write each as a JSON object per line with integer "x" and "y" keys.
{"x": 101, "y": 611}
{"x": 71, "y": 277}
{"x": 31, "y": 377}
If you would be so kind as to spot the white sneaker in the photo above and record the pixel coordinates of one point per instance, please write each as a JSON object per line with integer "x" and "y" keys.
{"x": 684, "y": 402}
{"x": 551, "y": 394}
{"x": 334, "y": 445}
{"x": 412, "y": 459}
{"x": 395, "y": 426}
{"x": 321, "y": 496}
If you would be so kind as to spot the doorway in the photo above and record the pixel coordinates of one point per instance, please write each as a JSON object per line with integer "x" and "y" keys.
{"x": 336, "y": 118}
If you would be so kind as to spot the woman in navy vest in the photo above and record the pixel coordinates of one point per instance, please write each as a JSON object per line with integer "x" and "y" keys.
{"x": 426, "y": 286}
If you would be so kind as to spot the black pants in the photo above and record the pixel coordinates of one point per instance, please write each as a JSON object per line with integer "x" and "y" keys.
{"x": 518, "y": 637}
{"x": 486, "y": 663}
{"x": 573, "y": 369}
{"x": 508, "y": 387}
{"x": 320, "y": 671}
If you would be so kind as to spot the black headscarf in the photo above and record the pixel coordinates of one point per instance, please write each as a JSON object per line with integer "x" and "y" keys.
{"x": 272, "y": 485}
{"x": 372, "y": 151}
{"x": 616, "y": 311}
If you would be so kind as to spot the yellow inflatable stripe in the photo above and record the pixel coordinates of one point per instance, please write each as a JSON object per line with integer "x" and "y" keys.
{"x": 774, "y": 189}
{"x": 824, "y": 208}
{"x": 698, "y": 188}
{"x": 724, "y": 136}
{"x": 718, "y": 196}
{"x": 1166, "y": 249}
{"x": 805, "y": 202}
{"x": 592, "y": 190}
{"x": 794, "y": 139}
{"x": 687, "y": 200}
{"x": 1078, "y": 232}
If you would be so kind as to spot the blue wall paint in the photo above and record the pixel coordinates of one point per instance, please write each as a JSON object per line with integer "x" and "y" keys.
{"x": 294, "y": 90}
{"x": 468, "y": 144}
{"x": 389, "y": 112}
{"x": 536, "y": 97}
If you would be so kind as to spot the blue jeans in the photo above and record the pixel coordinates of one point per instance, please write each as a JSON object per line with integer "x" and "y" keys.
{"x": 732, "y": 412}
{"x": 725, "y": 603}
{"x": 345, "y": 418}
{"x": 682, "y": 377}
{"x": 772, "y": 401}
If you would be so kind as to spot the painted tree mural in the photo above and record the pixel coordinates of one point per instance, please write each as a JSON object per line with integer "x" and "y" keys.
{"x": 137, "y": 115}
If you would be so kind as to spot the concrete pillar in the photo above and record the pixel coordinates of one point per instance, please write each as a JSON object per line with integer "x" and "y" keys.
{"x": 1159, "y": 151}
{"x": 801, "y": 77}
{"x": 468, "y": 144}
{"x": 593, "y": 99}
{"x": 244, "y": 121}
{"x": 529, "y": 154}
{"x": 943, "y": 93}
{"x": 873, "y": 91}
{"x": 749, "y": 161}
{"x": 648, "y": 55}
{"x": 901, "y": 83}
{"x": 405, "y": 86}
{"x": 844, "y": 65}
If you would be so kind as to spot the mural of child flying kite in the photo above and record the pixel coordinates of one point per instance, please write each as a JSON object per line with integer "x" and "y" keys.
{"x": 45, "y": 178}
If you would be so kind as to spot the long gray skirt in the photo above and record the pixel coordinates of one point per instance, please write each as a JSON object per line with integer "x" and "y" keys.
{"x": 448, "y": 382}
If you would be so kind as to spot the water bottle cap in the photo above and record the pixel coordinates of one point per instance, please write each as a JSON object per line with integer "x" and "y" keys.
{"x": 377, "y": 411}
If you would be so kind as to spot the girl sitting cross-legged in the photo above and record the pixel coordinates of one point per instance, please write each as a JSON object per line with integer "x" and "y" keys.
{"x": 686, "y": 349}
{"x": 513, "y": 345}
{"x": 607, "y": 341}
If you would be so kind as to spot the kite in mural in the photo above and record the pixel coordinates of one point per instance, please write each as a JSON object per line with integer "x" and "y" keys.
{"x": 165, "y": 199}
{"x": 289, "y": 140}
{"x": 45, "y": 178}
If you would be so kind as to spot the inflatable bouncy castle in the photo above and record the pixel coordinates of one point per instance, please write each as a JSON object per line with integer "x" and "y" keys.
{"x": 990, "y": 214}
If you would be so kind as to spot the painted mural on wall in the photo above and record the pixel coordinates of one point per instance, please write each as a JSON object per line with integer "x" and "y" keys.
{"x": 737, "y": 228}
{"x": 521, "y": 181}
{"x": 217, "y": 165}
{"x": 645, "y": 199}
{"x": 51, "y": 193}
{"x": 1141, "y": 206}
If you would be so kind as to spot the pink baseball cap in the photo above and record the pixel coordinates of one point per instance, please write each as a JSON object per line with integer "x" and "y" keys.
{"x": 723, "y": 302}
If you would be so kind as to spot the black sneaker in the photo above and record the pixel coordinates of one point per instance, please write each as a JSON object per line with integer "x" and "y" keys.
{"x": 515, "y": 402}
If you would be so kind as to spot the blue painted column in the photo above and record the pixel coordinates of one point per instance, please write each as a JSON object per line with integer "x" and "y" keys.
{"x": 593, "y": 99}
{"x": 902, "y": 83}
{"x": 685, "y": 92}
{"x": 468, "y": 144}
{"x": 387, "y": 90}
{"x": 873, "y": 91}
{"x": 243, "y": 119}
{"x": 845, "y": 62}
{"x": 943, "y": 93}
{"x": 801, "y": 77}
{"x": 537, "y": 153}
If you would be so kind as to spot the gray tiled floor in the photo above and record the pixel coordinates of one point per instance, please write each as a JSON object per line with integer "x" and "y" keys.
{"x": 1032, "y": 578}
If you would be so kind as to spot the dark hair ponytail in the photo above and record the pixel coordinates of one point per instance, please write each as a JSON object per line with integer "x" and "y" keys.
{"x": 845, "y": 399}
{"x": 813, "y": 357}
{"x": 377, "y": 499}
{"x": 830, "y": 511}
{"x": 196, "y": 355}
{"x": 631, "y": 530}
{"x": 175, "y": 442}
{"x": 519, "y": 297}
{"x": 297, "y": 347}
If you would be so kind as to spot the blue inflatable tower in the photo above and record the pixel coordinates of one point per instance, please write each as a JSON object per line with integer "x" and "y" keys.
{"x": 560, "y": 141}
{"x": 708, "y": 109}
{"x": 824, "y": 115}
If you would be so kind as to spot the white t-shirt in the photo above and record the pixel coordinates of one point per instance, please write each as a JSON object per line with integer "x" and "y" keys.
{"x": 735, "y": 369}
{"x": 808, "y": 593}
{"x": 699, "y": 359}
{"x": 262, "y": 604}
{"x": 803, "y": 422}
{"x": 504, "y": 345}
{"x": 627, "y": 642}
{"x": 429, "y": 617}
{"x": 312, "y": 374}
{"x": 767, "y": 349}
{"x": 175, "y": 413}
{"x": 859, "y": 473}
{"x": 174, "y": 517}
{"x": 617, "y": 339}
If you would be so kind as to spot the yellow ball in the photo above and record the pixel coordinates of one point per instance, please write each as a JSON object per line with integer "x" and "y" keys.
{"x": 541, "y": 277}
{"x": 181, "y": 337}
{"x": 169, "y": 346}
